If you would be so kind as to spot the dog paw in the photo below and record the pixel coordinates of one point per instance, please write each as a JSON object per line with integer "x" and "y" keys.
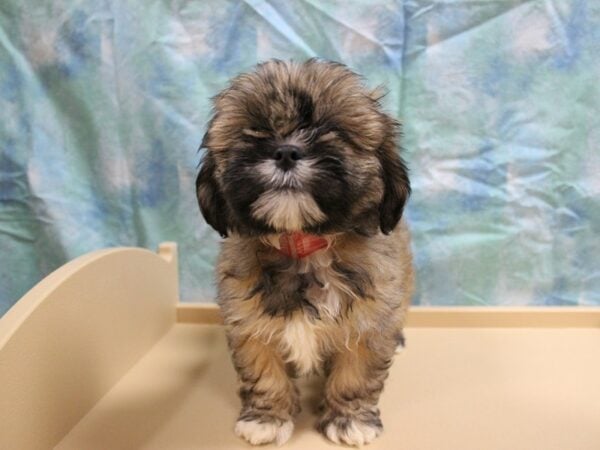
{"x": 350, "y": 430}
{"x": 264, "y": 431}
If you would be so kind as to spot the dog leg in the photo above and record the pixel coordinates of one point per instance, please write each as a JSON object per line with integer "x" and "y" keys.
{"x": 355, "y": 381}
{"x": 269, "y": 397}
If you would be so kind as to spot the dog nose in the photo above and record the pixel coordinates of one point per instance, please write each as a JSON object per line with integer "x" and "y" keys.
{"x": 286, "y": 156}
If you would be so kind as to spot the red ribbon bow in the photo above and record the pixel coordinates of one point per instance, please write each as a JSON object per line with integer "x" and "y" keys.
{"x": 298, "y": 245}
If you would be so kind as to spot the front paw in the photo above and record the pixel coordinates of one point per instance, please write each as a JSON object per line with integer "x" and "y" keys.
{"x": 354, "y": 430}
{"x": 259, "y": 430}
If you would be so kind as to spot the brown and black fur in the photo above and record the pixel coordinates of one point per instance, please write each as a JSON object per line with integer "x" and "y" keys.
{"x": 339, "y": 311}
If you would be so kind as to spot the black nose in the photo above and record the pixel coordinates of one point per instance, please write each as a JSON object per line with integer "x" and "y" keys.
{"x": 286, "y": 156}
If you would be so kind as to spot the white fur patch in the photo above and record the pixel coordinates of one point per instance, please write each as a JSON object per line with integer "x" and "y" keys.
{"x": 300, "y": 344}
{"x": 356, "y": 433}
{"x": 257, "y": 433}
{"x": 274, "y": 177}
{"x": 287, "y": 210}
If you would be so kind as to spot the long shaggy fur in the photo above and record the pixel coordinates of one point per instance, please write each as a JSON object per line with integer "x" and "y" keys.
{"x": 338, "y": 311}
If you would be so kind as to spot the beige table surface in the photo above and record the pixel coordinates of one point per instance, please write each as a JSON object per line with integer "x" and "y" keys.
{"x": 452, "y": 388}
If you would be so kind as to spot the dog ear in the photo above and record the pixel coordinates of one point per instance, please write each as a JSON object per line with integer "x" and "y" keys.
{"x": 396, "y": 183}
{"x": 211, "y": 201}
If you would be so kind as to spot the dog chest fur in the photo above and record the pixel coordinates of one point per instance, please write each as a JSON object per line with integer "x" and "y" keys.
{"x": 300, "y": 344}
{"x": 303, "y": 333}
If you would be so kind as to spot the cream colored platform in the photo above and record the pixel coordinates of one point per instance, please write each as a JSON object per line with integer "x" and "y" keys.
{"x": 99, "y": 356}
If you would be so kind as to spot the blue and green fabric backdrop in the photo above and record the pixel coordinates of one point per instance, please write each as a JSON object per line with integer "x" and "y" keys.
{"x": 103, "y": 106}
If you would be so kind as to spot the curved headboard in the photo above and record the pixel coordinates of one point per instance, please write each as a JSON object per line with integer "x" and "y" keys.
{"x": 70, "y": 339}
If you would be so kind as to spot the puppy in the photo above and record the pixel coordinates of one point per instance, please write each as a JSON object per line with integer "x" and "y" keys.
{"x": 302, "y": 178}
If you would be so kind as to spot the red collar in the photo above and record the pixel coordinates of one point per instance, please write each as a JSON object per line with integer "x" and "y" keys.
{"x": 297, "y": 245}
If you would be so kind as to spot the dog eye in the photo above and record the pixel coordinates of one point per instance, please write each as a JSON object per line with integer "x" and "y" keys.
{"x": 327, "y": 137}
{"x": 258, "y": 134}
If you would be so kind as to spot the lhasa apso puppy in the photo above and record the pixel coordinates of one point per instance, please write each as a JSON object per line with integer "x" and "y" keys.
{"x": 303, "y": 179}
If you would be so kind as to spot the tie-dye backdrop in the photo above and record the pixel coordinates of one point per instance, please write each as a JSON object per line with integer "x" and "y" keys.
{"x": 103, "y": 105}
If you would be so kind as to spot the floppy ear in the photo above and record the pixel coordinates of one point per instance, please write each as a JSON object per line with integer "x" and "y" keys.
{"x": 396, "y": 185}
{"x": 211, "y": 201}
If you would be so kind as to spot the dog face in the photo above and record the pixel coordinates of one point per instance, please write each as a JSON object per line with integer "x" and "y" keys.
{"x": 301, "y": 147}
